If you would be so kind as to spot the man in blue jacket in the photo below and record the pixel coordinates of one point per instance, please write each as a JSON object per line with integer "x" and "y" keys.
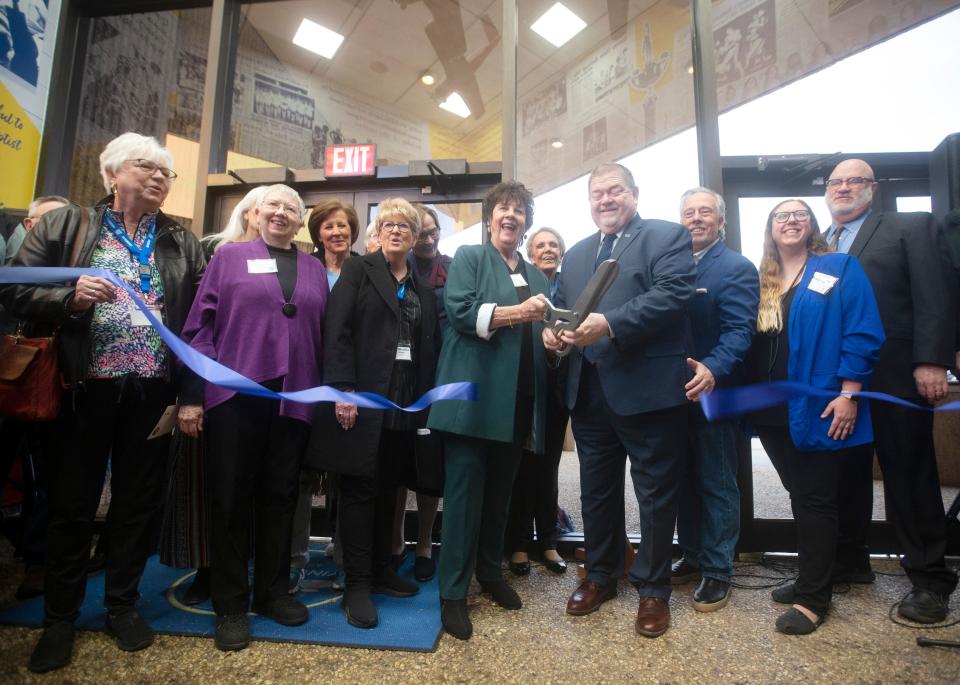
{"x": 723, "y": 316}
{"x": 625, "y": 392}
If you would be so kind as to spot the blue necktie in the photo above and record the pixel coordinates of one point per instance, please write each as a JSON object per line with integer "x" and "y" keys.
{"x": 606, "y": 249}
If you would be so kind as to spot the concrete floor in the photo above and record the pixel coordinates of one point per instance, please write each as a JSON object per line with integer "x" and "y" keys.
{"x": 858, "y": 643}
{"x": 541, "y": 644}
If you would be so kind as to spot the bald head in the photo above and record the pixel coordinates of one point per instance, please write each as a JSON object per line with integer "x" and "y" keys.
{"x": 850, "y": 190}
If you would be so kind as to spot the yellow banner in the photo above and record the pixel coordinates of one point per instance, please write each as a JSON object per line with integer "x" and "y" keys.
{"x": 19, "y": 150}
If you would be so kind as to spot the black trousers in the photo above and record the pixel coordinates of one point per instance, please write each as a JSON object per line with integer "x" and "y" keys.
{"x": 535, "y": 492}
{"x": 822, "y": 487}
{"x": 110, "y": 419}
{"x": 656, "y": 444}
{"x": 253, "y": 459}
{"x": 911, "y": 486}
{"x": 366, "y": 511}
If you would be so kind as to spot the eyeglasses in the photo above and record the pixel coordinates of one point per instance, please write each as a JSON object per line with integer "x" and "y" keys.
{"x": 403, "y": 227}
{"x": 150, "y": 168}
{"x": 278, "y": 206}
{"x": 853, "y": 181}
{"x": 784, "y": 217}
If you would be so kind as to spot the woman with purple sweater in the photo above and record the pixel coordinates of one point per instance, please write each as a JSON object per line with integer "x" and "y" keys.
{"x": 259, "y": 311}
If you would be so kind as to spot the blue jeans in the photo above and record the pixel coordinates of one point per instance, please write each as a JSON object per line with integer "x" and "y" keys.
{"x": 708, "y": 521}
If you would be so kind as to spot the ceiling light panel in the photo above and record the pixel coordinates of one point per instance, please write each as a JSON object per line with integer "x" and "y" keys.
{"x": 316, "y": 38}
{"x": 558, "y": 25}
{"x": 455, "y": 104}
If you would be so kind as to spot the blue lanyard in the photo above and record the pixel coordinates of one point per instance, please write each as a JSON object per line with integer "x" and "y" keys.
{"x": 401, "y": 291}
{"x": 142, "y": 254}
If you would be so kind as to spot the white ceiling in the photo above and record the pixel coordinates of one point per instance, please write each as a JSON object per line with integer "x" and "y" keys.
{"x": 386, "y": 48}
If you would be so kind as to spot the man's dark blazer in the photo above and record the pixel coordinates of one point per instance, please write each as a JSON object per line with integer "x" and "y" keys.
{"x": 361, "y": 331}
{"x": 643, "y": 367}
{"x": 905, "y": 258}
{"x": 723, "y": 312}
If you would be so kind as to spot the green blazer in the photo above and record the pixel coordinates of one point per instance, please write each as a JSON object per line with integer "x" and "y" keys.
{"x": 479, "y": 275}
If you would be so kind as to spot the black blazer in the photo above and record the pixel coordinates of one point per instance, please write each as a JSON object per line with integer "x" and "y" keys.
{"x": 905, "y": 257}
{"x": 361, "y": 331}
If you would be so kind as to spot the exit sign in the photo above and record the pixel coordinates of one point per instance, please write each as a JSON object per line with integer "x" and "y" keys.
{"x": 351, "y": 160}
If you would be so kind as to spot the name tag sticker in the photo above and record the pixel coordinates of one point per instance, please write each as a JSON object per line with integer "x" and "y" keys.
{"x": 403, "y": 352}
{"x": 139, "y": 319}
{"x": 261, "y": 266}
{"x": 822, "y": 283}
{"x": 518, "y": 281}
{"x": 166, "y": 423}
{"x": 702, "y": 291}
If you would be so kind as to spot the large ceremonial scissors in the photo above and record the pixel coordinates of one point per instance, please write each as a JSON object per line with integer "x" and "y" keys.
{"x": 570, "y": 319}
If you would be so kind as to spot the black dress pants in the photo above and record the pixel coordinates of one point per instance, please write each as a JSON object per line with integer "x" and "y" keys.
{"x": 110, "y": 419}
{"x": 253, "y": 459}
{"x": 911, "y": 486}
{"x": 366, "y": 511}
{"x": 818, "y": 483}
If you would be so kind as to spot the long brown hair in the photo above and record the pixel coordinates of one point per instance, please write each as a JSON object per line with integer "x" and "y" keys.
{"x": 770, "y": 314}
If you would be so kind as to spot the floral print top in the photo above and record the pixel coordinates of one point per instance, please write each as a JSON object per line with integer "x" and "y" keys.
{"x": 119, "y": 347}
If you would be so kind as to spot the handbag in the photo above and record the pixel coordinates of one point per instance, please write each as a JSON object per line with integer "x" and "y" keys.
{"x": 29, "y": 377}
{"x": 30, "y": 386}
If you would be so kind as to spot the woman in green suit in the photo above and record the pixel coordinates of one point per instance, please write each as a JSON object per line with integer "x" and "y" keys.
{"x": 495, "y": 304}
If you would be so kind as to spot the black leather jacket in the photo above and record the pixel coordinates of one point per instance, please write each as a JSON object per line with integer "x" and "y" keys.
{"x": 179, "y": 259}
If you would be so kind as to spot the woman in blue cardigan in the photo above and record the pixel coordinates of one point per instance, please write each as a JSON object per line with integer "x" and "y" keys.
{"x": 818, "y": 324}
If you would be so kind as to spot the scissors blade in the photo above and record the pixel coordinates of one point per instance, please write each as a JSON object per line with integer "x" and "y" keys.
{"x": 592, "y": 293}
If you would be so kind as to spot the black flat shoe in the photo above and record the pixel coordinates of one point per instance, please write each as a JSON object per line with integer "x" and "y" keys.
{"x": 683, "y": 571}
{"x": 520, "y": 568}
{"x": 424, "y": 569}
{"x": 504, "y": 595}
{"x": 795, "y": 622}
{"x": 558, "y": 567}
{"x": 456, "y": 619}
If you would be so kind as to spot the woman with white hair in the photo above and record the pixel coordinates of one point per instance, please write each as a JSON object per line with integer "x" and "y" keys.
{"x": 241, "y": 226}
{"x": 259, "y": 311}
{"x": 118, "y": 377}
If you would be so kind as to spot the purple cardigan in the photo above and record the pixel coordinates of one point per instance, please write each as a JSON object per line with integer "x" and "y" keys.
{"x": 236, "y": 319}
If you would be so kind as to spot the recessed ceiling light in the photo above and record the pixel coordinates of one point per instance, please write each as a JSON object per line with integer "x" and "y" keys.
{"x": 318, "y": 39}
{"x": 558, "y": 25}
{"x": 556, "y": 143}
{"x": 455, "y": 104}
{"x": 427, "y": 79}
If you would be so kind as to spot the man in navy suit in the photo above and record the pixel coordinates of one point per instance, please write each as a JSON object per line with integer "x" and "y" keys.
{"x": 625, "y": 390}
{"x": 723, "y": 316}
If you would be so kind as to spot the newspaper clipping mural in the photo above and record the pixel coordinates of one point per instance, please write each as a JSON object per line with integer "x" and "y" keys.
{"x": 27, "y": 32}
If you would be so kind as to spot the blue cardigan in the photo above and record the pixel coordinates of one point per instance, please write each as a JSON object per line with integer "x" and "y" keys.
{"x": 833, "y": 336}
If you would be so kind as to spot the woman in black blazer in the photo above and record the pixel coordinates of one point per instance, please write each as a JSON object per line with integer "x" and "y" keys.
{"x": 383, "y": 338}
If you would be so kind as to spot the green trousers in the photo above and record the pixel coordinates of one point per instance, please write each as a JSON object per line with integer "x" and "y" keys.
{"x": 478, "y": 481}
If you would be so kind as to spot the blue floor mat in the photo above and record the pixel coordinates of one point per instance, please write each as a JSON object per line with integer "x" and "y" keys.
{"x": 408, "y": 623}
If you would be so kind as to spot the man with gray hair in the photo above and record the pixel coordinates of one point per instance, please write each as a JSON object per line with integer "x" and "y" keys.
{"x": 35, "y": 210}
{"x": 723, "y": 316}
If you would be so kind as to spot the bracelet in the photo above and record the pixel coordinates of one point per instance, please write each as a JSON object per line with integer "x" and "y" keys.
{"x": 509, "y": 321}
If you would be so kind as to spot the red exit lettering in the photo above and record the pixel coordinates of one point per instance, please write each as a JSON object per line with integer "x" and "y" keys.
{"x": 350, "y": 160}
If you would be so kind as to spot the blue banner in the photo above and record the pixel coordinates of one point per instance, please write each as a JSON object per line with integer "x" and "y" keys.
{"x": 218, "y": 374}
{"x": 727, "y": 403}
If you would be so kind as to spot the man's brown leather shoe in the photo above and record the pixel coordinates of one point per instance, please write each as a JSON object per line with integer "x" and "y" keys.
{"x": 653, "y": 617}
{"x": 589, "y": 596}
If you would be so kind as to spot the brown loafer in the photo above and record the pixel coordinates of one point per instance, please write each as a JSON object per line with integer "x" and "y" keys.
{"x": 588, "y": 597}
{"x": 653, "y": 617}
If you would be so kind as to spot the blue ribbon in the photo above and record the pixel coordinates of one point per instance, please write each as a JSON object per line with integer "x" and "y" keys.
{"x": 218, "y": 374}
{"x": 730, "y": 402}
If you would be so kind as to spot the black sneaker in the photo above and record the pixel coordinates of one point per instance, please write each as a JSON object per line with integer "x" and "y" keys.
{"x": 455, "y": 618}
{"x": 924, "y": 606}
{"x": 128, "y": 629}
{"x": 390, "y": 583}
{"x": 285, "y": 610}
{"x": 358, "y": 608}
{"x": 502, "y": 594}
{"x": 54, "y": 649}
{"x": 784, "y": 594}
{"x": 711, "y": 594}
{"x": 683, "y": 571}
{"x": 233, "y": 633}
